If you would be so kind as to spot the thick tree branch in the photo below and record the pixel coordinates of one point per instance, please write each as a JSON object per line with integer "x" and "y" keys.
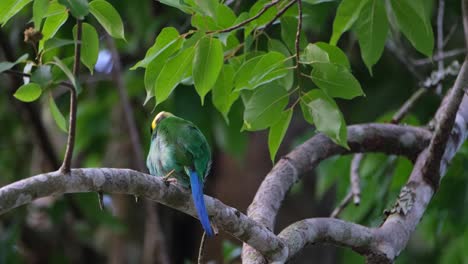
{"x": 143, "y": 185}
{"x": 391, "y": 139}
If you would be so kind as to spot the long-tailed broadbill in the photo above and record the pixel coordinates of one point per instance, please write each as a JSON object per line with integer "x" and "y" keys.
{"x": 179, "y": 150}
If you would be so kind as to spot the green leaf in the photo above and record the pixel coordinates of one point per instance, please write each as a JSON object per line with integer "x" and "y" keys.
{"x": 414, "y": 25}
{"x": 28, "y": 92}
{"x": 6, "y": 65}
{"x": 313, "y": 53}
{"x": 78, "y": 8}
{"x": 67, "y": 72}
{"x": 260, "y": 70}
{"x": 208, "y": 7}
{"x": 54, "y": 43}
{"x": 172, "y": 73}
{"x": 223, "y": 94}
{"x": 9, "y": 8}
{"x": 151, "y": 74}
{"x": 53, "y": 22}
{"x": 327, "y": 116}
{"x": 225, "y": 17}
{"x": 42, "y": 76}
{"x": 181, "y": 5}
{"x": 39, "y": 10}
{"x": 335, "y": 54}
{"x": 277, "y": 132}
{"x": 89, "y": 45}
{"x": 108, "y": 17}
{"x": 57, "y": 115}
{"x": 288, "y": 33}
{"x": 372, "y": 29}
{"x": 347, "y": 13}
{"x": 306, "y": 113}
{"x": 166, "y": 43}
{"x": 264, "y": 106}
{"x": 207, "y": 64}
{"x": 204, "y": 23}
{"x": 335, "y": 80}
{"x": 288, "y": 80}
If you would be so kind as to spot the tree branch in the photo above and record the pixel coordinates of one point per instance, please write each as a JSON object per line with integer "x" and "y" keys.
{"x": 143, "y": 185}
{"x": 355, "y": 178}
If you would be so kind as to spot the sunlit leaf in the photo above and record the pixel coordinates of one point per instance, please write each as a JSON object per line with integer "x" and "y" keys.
{"x": 108, "y": 17}
{"x": 28, "y": 92}
{"x": 53, "y": 22}
{"x": 67, "y": 72}
{"x": 277, "y": 132}
{"x": 207, "y": 64}
{"x": 288, "y": 80}
{"x": 288, "y": 33}
{"x": 39, "y": 11}
{"x": 9, "y": 8}
{"x": 167, "y": 43}
{"x": 89, "y": 45}
{"x": 57, "y": 115}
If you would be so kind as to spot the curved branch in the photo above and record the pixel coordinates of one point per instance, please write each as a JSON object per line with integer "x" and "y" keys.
{"x": 142, "y": 185}
{"x": 387, "y": 138}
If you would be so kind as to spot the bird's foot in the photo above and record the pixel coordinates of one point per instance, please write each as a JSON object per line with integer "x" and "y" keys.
{"x": 168, "y": 179}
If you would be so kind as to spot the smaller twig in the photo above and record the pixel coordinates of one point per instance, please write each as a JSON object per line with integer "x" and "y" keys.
{"x": 342, "y": 205}
{"x": 440, "y": 41}
{"x": 202, "y": 248}
{"x": 245, "y": 22}
{"x": 450, "y": 34}
{"x": 355, "y": 178}
{"x": 402, "y": 57}
{"x": 446, "y": 55}
{"x": 406, "y": 107}
{"x": 65, "y": 168}
{"x": 280, "y": 13}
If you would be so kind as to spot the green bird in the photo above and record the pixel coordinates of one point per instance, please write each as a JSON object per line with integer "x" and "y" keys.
{"x": 179, "y": 150}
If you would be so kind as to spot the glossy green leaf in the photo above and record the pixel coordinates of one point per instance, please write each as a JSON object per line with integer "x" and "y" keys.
{"x": 327, "y": 116}
{"x": 223, "y": 94}
{"x": 6, "y": 65}
{"x": 28, "y": 92}
{"x": 288, "y": 33}
{"x": 277, "y": 132}
{"x": 39, "y": 10}
{"x": 347, "y": 13}
{"x": 181, "y": 5}
{"x": 204, "y": 23}
{"x": 372, "y": 29}
{"x": 172, "y": 73}
{"x": 167, "y": 43}
{"x": 335, "y": 80}
{"x": 313, "y": 53}
{"x": 78, "y": 8}
{"x": 260, "y": 70}
{"x": 54, "y": 43}
{"x": 151, "y": 74}
{"x": 225, "y": 17}
{"x": 58, "y": 16}
{"x": 414, "y": 25}
{"x": 208, "y": 7}
{"x": 288, "y": 80}
{"x": 57, "y": 115}
{"x": 264, "y": 106}
{"x": 207, "y": 64}
{"x": 89, "y": 45}
{"x": 108, "y": 17}
{"x": 67, "y": 72}
{"x": 306, "y": 113}
{"x": 9, "y": 8}
{"x": 335, "y": 54}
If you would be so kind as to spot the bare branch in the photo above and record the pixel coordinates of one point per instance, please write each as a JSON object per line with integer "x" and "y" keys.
{"x": 342, "y": 205}
{"x": 406, "y": 107}
{"x": 143, "y": 185}
{"x": 355, "y": 178}
{"x": 245, "y": 22}
{"x": 440, "y": 40}
{"x": 447, "y": 55}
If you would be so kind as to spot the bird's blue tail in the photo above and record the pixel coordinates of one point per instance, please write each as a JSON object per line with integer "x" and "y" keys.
{"x": 197, "y": 194}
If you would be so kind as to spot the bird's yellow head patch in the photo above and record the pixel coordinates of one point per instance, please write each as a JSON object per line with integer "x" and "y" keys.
{"x": 160, "y": 116}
